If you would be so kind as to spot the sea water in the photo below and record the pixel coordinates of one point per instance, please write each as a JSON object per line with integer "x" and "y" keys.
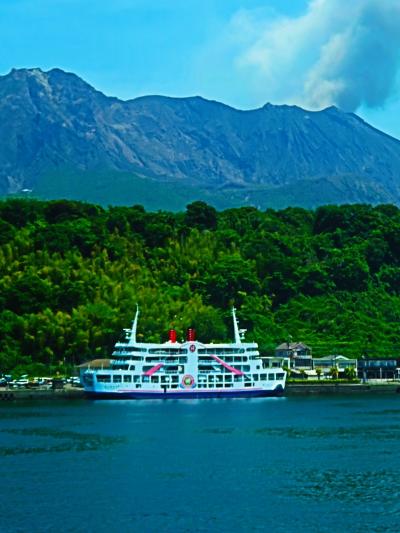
{"x": 296, "y": 464}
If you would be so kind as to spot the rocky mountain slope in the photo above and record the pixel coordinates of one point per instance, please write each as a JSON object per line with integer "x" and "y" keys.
{"x": 57, "y": 132}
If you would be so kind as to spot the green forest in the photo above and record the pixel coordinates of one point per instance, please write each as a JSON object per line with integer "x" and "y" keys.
{"x": 71, "y": 274}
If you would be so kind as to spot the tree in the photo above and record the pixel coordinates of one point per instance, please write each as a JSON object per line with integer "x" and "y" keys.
{"x": 228, "y": 278}
{"x": 350, "y": 373}
{"x": 349, "y": 270}
{"x": 201, "y": 215}
{"x": 334, "y": 372}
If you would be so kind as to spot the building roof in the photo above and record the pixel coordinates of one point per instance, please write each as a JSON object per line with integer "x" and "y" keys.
{"x": 334, "y": 358}
{"x": 293, "y": 346}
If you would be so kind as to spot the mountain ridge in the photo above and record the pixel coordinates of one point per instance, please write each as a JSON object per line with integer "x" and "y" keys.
{"x": 55, "y": 123}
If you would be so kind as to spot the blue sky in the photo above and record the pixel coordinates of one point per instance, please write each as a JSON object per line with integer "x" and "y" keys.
{"x": 242, "y": 52}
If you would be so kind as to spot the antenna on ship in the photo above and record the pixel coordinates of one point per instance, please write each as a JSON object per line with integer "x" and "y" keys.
{"x": 239, "y": 333}
{"x": 134, "y": 325}
{"x": 238, "y": 339}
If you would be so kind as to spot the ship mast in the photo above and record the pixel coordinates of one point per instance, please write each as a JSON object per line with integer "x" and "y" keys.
{"x": 134, "y": 326}
{"x": 239, "y": 333}
{"x": 238, "y": 340}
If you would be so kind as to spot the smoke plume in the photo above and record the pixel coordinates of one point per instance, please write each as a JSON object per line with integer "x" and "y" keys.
{"x": 340, "y": 52}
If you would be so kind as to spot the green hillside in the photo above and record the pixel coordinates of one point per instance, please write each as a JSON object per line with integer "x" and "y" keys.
{"x": 107, "y": 188}
{"x": 71, "y": 274}
{"x": 113, "y": 188}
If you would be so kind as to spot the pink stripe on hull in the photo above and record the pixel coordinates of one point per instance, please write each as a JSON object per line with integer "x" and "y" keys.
{"x": 154, "y": 369}
{"x": 228, "y": 367}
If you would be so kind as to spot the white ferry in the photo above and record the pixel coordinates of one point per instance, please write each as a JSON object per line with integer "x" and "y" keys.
{"x": 189, "y": 369}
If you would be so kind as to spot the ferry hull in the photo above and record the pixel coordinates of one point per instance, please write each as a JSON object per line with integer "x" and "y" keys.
{"x": 146, "y": 395}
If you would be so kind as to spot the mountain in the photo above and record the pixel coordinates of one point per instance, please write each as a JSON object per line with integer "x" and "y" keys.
{"x": 61, "y": 137}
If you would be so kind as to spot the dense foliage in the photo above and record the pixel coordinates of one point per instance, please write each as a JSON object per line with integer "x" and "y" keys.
{"x": 71, "y": 274}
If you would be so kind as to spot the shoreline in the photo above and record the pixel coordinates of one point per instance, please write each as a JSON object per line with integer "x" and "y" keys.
{"x": 292, "y": 389}
{"x": 41, "y": 394}
{"x": 342, "y": 388}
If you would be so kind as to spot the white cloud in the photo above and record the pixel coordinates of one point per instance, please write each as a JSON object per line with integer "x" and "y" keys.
{"x": 344, "y": 53}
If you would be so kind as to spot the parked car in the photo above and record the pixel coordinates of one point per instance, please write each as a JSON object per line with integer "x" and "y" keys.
{"x": 75, "y": 382}
{"x": 22, "y": 382}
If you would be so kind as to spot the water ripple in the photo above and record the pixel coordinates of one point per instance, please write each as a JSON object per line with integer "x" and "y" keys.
{"x": 74, "y": 441}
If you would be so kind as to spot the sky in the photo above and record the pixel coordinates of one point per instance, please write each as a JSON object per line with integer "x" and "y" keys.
{"x": 245, "y": 53}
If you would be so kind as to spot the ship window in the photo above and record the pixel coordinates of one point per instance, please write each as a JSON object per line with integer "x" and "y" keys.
{"x": 124, "y": 356}
{"x": 120, "y": 367}
{"x": 219, "y": 385}
{"x": 132, "y": 367}
{"x": 167, "y": 351}
{"x": 220, "y": 351}
{"x": 205, "y": 368}
{"x": 228, "y": 378}
{"x": 174, "y": 379}
{"x": 154, "y": 379}
{"x": 138, "y": 385}
{"x": 247, "y": 384}
{"x": 237, "y": 378}
{"x": 103, "y": 378}
{"x": 127, "y": 379}
{"x": 263, "y": 377}
{"x": 164, "y": 379}
{"x": 145, "y": 379}
{"x": 136, "y": 379}
{"x": 271, "y": 376}
{"x": 117, "y": 379}
{"x": 88, "y": 378}
{"x": 130, "y": 349}
{"x": 228, "y": 385}
{"x": 280, "y": 376}
{"x": 255, "y": 377}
